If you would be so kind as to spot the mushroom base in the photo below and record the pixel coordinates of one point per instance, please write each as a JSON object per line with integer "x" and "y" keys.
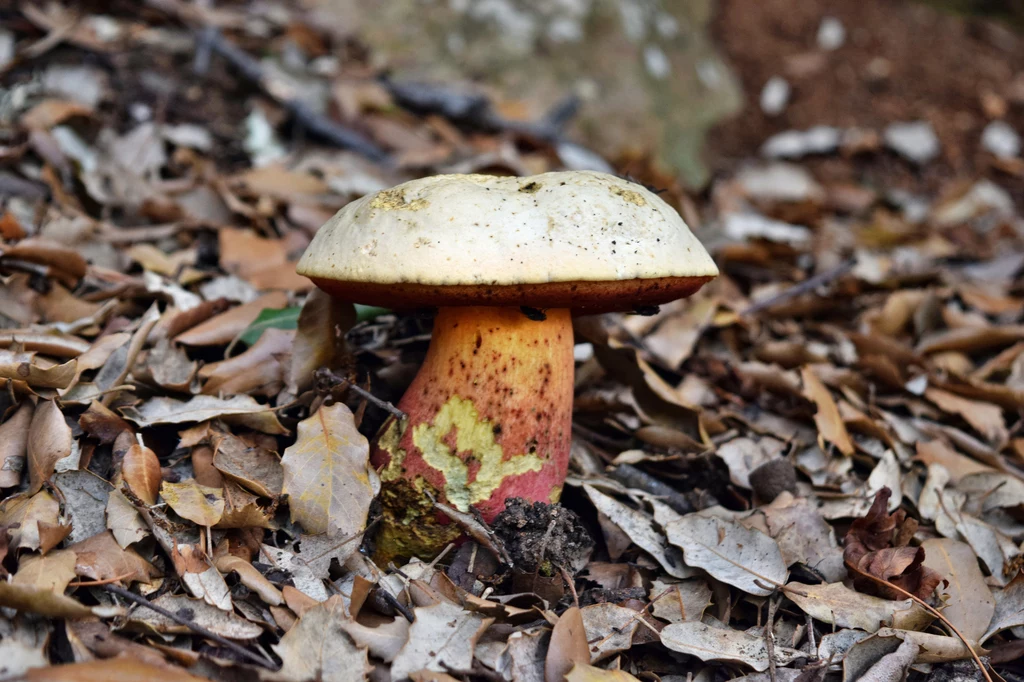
{"x": 489, "y": 418}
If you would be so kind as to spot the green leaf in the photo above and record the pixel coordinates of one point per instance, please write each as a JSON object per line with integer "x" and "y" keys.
{"x": 270, "y": 318}
{"x": 364, "y": 313}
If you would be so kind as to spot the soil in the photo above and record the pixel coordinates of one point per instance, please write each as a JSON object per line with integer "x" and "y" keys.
{"x": 901, "y": 61}
{"x": 541, "y": 537}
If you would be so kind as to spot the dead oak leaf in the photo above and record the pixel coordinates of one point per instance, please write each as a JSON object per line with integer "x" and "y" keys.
{"x": 101, "y": 558}
{"x": 197, "y": 503}
{"x": 442, "y": 636}
{"x": 828, "y": 420}
{"x": 317, "y": 648}
{"x": 327, "y": 476}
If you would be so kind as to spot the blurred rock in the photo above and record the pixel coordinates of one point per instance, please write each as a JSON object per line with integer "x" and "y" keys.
{"x": 745, "y": 226}
{"x": 775, "y": 96}
{"x": 983, "y": 197}
{"x": 778, "y": 182}
{"x": 831, "y": 34}
{"x": 914, "y": 141}
{"x": 646, "y": 72}
{"x": 1001, "y": 139}
{"x": 794, "y": 144}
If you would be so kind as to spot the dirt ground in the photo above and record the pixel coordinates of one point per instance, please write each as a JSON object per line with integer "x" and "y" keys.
{"x": 901, "y": 61}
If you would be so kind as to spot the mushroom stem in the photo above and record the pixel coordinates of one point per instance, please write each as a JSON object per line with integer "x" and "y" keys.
{"x": 489, "y": 418}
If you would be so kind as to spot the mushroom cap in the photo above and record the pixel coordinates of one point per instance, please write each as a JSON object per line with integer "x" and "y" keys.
{"x": 571, "y": 239}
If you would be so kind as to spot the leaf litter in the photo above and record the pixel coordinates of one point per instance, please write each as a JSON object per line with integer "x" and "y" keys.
{"x": 813, "y": 469}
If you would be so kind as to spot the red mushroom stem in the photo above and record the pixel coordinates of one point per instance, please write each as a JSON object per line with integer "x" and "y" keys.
{"x": 489, "y": 418}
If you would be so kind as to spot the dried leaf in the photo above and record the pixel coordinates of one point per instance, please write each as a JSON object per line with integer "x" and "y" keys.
{"x": 124, "y": 521}
{"x": 383, "y": 641}
{"x": 609, "y": 629}
{"x": 970, "y": 605}
{"x": 141, "y": 471}
{"x": 442, "y": 637}
{"x": 838, "y": 605}
{"x": 722, "y": 644}
{"x": 568, "y": 645}
{"x": 248, "y": 464}
{"x": 830, "y": 424}
{"x": 317, "y": 648}
{"x": 51, "y": 572}
{"x": 640, "y": 529}
{"x": 588, "y": 673}
{"x": 239, "y": 409}
{"x": 744, "y": 558}
{"x": 14, "y": 445}
{"x": 320, "y": 339}
{"x": 189, "y": 500}
{"x": 251, "y": 578}
{"x": 222, "y": 329}
{"x": 985, "y": 418}
{"x": 101, "y": 558}
{"x": 257, "y": 370}
{"x": 33, "y": 521}
{"x": 49, "y": 440}
{"x": 327, "y": 476}
{"x": 110, "y": 670}
{"x": 223, "y": 623}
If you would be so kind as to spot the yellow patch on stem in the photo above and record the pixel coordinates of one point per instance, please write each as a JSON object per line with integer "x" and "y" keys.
{"x": 473, "y": 435}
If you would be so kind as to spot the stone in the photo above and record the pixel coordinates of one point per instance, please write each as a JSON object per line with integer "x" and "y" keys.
{"x": 794, "y": 144}
{"x": 646, "y": 71}
{"x": 831, "y": 34}
{"x": 915, "y": 141}
{"x": 1001, "y": 139}
{"x": 775, "y": 96}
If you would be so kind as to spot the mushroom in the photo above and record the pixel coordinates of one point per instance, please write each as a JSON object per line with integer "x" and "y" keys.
{"x": 506, "y": 261}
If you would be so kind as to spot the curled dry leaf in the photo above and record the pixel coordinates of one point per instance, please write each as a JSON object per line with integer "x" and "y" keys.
{"x": 36, "y": 371}
{"x": 14, "y": 445}
{"x": 319, "y": 339}
{"x": 124, "y": 521}
{"x": 246, "y": 462}
{"x": 876, "y": 550}
{"x": 744, "y": 558}
{"x": 589, "y": 673}
{"x": 49, "y": 440}
{"x": 722, "y": 644}
{"x": 258, "y": 370}
{"x": 141, "y": 471}
{"x": 327, "y": 475}
{"x": 251, "y": 578}
{"x": 33, "y": 521}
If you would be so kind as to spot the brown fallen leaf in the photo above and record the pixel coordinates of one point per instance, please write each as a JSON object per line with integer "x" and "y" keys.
{"x": 985, "y": 418}
{"x": 238, "y": 409}
{"x": 970, "y": 605}
{"x": 102, "y": 423}
{"x": 140, "y": 469}
{"x": 317, "y": 648}
{"x": 101, "y": 558}
{"x": 568, "y": 646}
{"x": 223, "y": 328}
{"x": 51, "y": 112}
{"x": 319, "y": 339}
{"x": 67, "y": 264}
{"x": 14, "y": 445}
{"x": 442, "y": 636}
{"x": 50, "y": 572}
{"x": 189, "y": 500}
{"x": 876, "y": 547}
{"x": 259, "y": 370}
{"x": 49, "y": 441}
{"x": 830, "y": 424}
{"x": 35, "y": 370}
{"x": 247, "y": 463}
{"x": 250, "y": 577}
{"x": 327, "y": 475}
{"x": 33, "y": 521}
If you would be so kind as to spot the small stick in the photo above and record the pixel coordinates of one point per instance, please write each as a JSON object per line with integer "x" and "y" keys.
{"x": 97, "y": 583}
{"x": 567, "y": 577}
{"x": 804, "y": 287}
{"x": 327, "y": 376}
{"x": 307, "y": 119}
{"x": 193, "y": 626}
{"x": 769, "y": 638}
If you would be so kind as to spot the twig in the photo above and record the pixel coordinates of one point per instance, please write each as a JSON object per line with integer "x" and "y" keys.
{"x": 804, "y": 287}
{"x": 211, "y": 39}
{"x": 98, "y": 583}
{"x": 392, "y": 600}
{"x": 475, "y": 528}
{"x": 769, "y": 637}
{"x": 193, "y": 626}
{"x": 567, "y": 577}
{"x": 328, "y": 377}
